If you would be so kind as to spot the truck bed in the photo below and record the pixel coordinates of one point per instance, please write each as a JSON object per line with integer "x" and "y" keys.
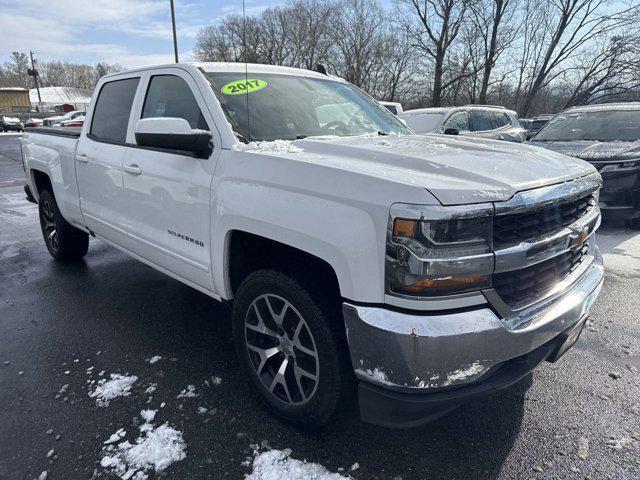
{"x": 58, "y": 131}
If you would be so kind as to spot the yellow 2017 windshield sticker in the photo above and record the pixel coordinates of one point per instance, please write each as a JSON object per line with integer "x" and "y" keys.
{"x": 239, "y": 87}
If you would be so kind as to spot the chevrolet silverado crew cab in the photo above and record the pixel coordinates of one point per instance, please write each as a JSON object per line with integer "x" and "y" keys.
{"x": 413, "y": 271}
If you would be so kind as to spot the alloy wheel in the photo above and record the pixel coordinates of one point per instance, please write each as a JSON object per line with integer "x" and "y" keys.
{"x": 49, "y": 225}
{"x": 282, "y": 350}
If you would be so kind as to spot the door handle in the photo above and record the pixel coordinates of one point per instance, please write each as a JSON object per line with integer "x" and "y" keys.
{"x": 133, "y": 169}
{"x": 81, "y": 157}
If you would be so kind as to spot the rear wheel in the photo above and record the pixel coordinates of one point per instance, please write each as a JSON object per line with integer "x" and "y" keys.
{"x": 290, "y": 348}
{"x": 64, "y": 241}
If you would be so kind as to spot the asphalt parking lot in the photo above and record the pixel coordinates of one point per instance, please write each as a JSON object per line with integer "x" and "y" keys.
{"x": 62, "y": 324}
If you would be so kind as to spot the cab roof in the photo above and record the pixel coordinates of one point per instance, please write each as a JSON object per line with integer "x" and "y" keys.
{"x": 251, "y": 68}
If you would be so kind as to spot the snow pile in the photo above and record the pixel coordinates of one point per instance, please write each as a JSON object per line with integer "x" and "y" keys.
{"x": 278, "y": 465}
{"x": 189, "y": 392}
{"x": 118, "y": 386}
{"x": 276, "y": 147}
{"x": 155, "y": 359}
{"x": 156, "y": 449}
{"x": 376, "y": 374}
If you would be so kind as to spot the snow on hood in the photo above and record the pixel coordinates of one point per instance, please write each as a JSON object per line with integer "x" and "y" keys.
{"x": 454, "y": 170}
{"x": 593, "y": 150}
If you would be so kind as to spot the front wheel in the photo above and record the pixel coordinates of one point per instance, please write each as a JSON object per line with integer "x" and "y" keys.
{"x": 291, "y": 348}
{"x": 64, "y": 241}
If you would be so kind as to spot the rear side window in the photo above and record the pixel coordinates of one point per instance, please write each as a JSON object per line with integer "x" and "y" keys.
{"x": 113, "y": 107}
{"x": 481, "y": 121}
{"x": 170, "y": 96}
{"x": 459, "y": 121}
{"x": 500, "y": 119}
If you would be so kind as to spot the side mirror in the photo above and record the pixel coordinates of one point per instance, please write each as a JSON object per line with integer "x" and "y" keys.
{"x": 451, "y": 131}
{"x": 171, "y": 133}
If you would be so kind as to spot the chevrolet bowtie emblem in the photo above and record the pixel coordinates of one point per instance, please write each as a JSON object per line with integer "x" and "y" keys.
{"x": 578, "y": 237}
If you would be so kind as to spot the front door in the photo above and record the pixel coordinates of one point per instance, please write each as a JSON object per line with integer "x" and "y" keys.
{"x": 99, "y": 160}
{"x": 169, "y": 191}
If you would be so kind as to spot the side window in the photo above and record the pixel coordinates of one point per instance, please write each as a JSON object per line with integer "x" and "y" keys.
{"x": 459, "y": 121}
{"x": 500, "y": 119}
{"x": 481, "y": 121}
{"x": 113, "y": 107}
{"x": 170, "y": 96}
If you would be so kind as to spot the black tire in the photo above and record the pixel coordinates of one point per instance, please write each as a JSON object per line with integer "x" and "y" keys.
{"x": 65, "y": 242}
{"x": 306, "y": 402}
{"x": 632, "y": 223}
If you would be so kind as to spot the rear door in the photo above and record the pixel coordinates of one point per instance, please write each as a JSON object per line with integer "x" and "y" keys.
{"x": 169, "y": 191}
{"x": 99, "y": 157}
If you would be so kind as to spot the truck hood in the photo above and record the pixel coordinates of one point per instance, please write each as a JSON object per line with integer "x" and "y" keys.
{"x": 593, "y": 150}
{"x": 455, "y": 170}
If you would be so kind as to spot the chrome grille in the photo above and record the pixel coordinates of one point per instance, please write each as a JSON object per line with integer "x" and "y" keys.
{"x": 533, "y": 224}
{"x": 523, "y": 287}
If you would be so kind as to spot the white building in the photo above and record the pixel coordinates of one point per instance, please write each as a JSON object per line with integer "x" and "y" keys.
{"x": 52, "y": 97}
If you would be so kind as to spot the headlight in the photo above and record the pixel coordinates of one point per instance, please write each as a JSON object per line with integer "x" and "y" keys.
{"x": 438, "y": 257}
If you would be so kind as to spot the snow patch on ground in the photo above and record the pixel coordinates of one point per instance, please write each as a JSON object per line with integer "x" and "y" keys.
{"x": 117, "y": 386}
{"x": 471, "y": 371}
{"x": 148, "y": 415}
{"x": 278, "y": 465}
{"x": 189, "y": 392}
{"x": 275, "y": 147}
{"x": 154, "y": 450}
{"x": 155, "y": 359}
{"x": 151, "y": 388}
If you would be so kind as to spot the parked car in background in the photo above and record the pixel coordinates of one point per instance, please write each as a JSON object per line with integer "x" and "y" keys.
{"x": 607, "y": 136}
{"x": 55, "y": 121}
{"x": 483, "y": 121}
{"x": 75, "y": 122}
{"x": 33, "y": 122}
{"x": 429, "y": 269}
{"x": 535, "y": 124}
{"x": 11, "y": 124}
{"x": 393, "y": 107}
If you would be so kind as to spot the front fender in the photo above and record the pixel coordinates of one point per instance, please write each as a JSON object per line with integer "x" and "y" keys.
{"x": 338, "y": 216}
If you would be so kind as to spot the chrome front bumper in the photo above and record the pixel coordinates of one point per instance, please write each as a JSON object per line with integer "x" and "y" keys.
{"x": 421, "y": 353}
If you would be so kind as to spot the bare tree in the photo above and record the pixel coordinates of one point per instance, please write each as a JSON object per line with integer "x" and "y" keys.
{"x": 492, "y": 25}
{"x": 610, "y": 71}
{"x": 572, "y": 26}
{"x": 434, "y": 26}
{"x": 536, "y": 56}
{"x": 17, "y": 66}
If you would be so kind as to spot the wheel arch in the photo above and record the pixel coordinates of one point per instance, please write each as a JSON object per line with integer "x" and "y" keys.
{"x": 247, "y": 252}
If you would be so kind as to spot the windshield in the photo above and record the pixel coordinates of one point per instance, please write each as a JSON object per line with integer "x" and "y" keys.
{"x": 423, "y": 122}
{"x": 287, "y": 107}
{"x": 603, "y": 126}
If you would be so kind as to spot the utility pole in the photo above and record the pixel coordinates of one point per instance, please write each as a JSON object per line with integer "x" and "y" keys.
{"x": 34, "y": 73}
{"x": 173, "y": 24}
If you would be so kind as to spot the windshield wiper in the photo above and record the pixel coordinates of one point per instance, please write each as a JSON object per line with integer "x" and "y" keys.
{"x": 240, "y": 137}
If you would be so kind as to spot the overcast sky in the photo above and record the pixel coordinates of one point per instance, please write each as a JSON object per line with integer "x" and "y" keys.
{"x": 130, "y": 32}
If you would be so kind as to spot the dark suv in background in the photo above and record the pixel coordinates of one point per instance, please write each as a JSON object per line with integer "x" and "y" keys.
{"x": 608, "y": 136}
{"x": 534, "y": 125}
{"x": 484, "y": 121}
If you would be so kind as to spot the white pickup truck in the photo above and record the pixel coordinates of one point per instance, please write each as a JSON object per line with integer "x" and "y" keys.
{"x": 414, "y": 271}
